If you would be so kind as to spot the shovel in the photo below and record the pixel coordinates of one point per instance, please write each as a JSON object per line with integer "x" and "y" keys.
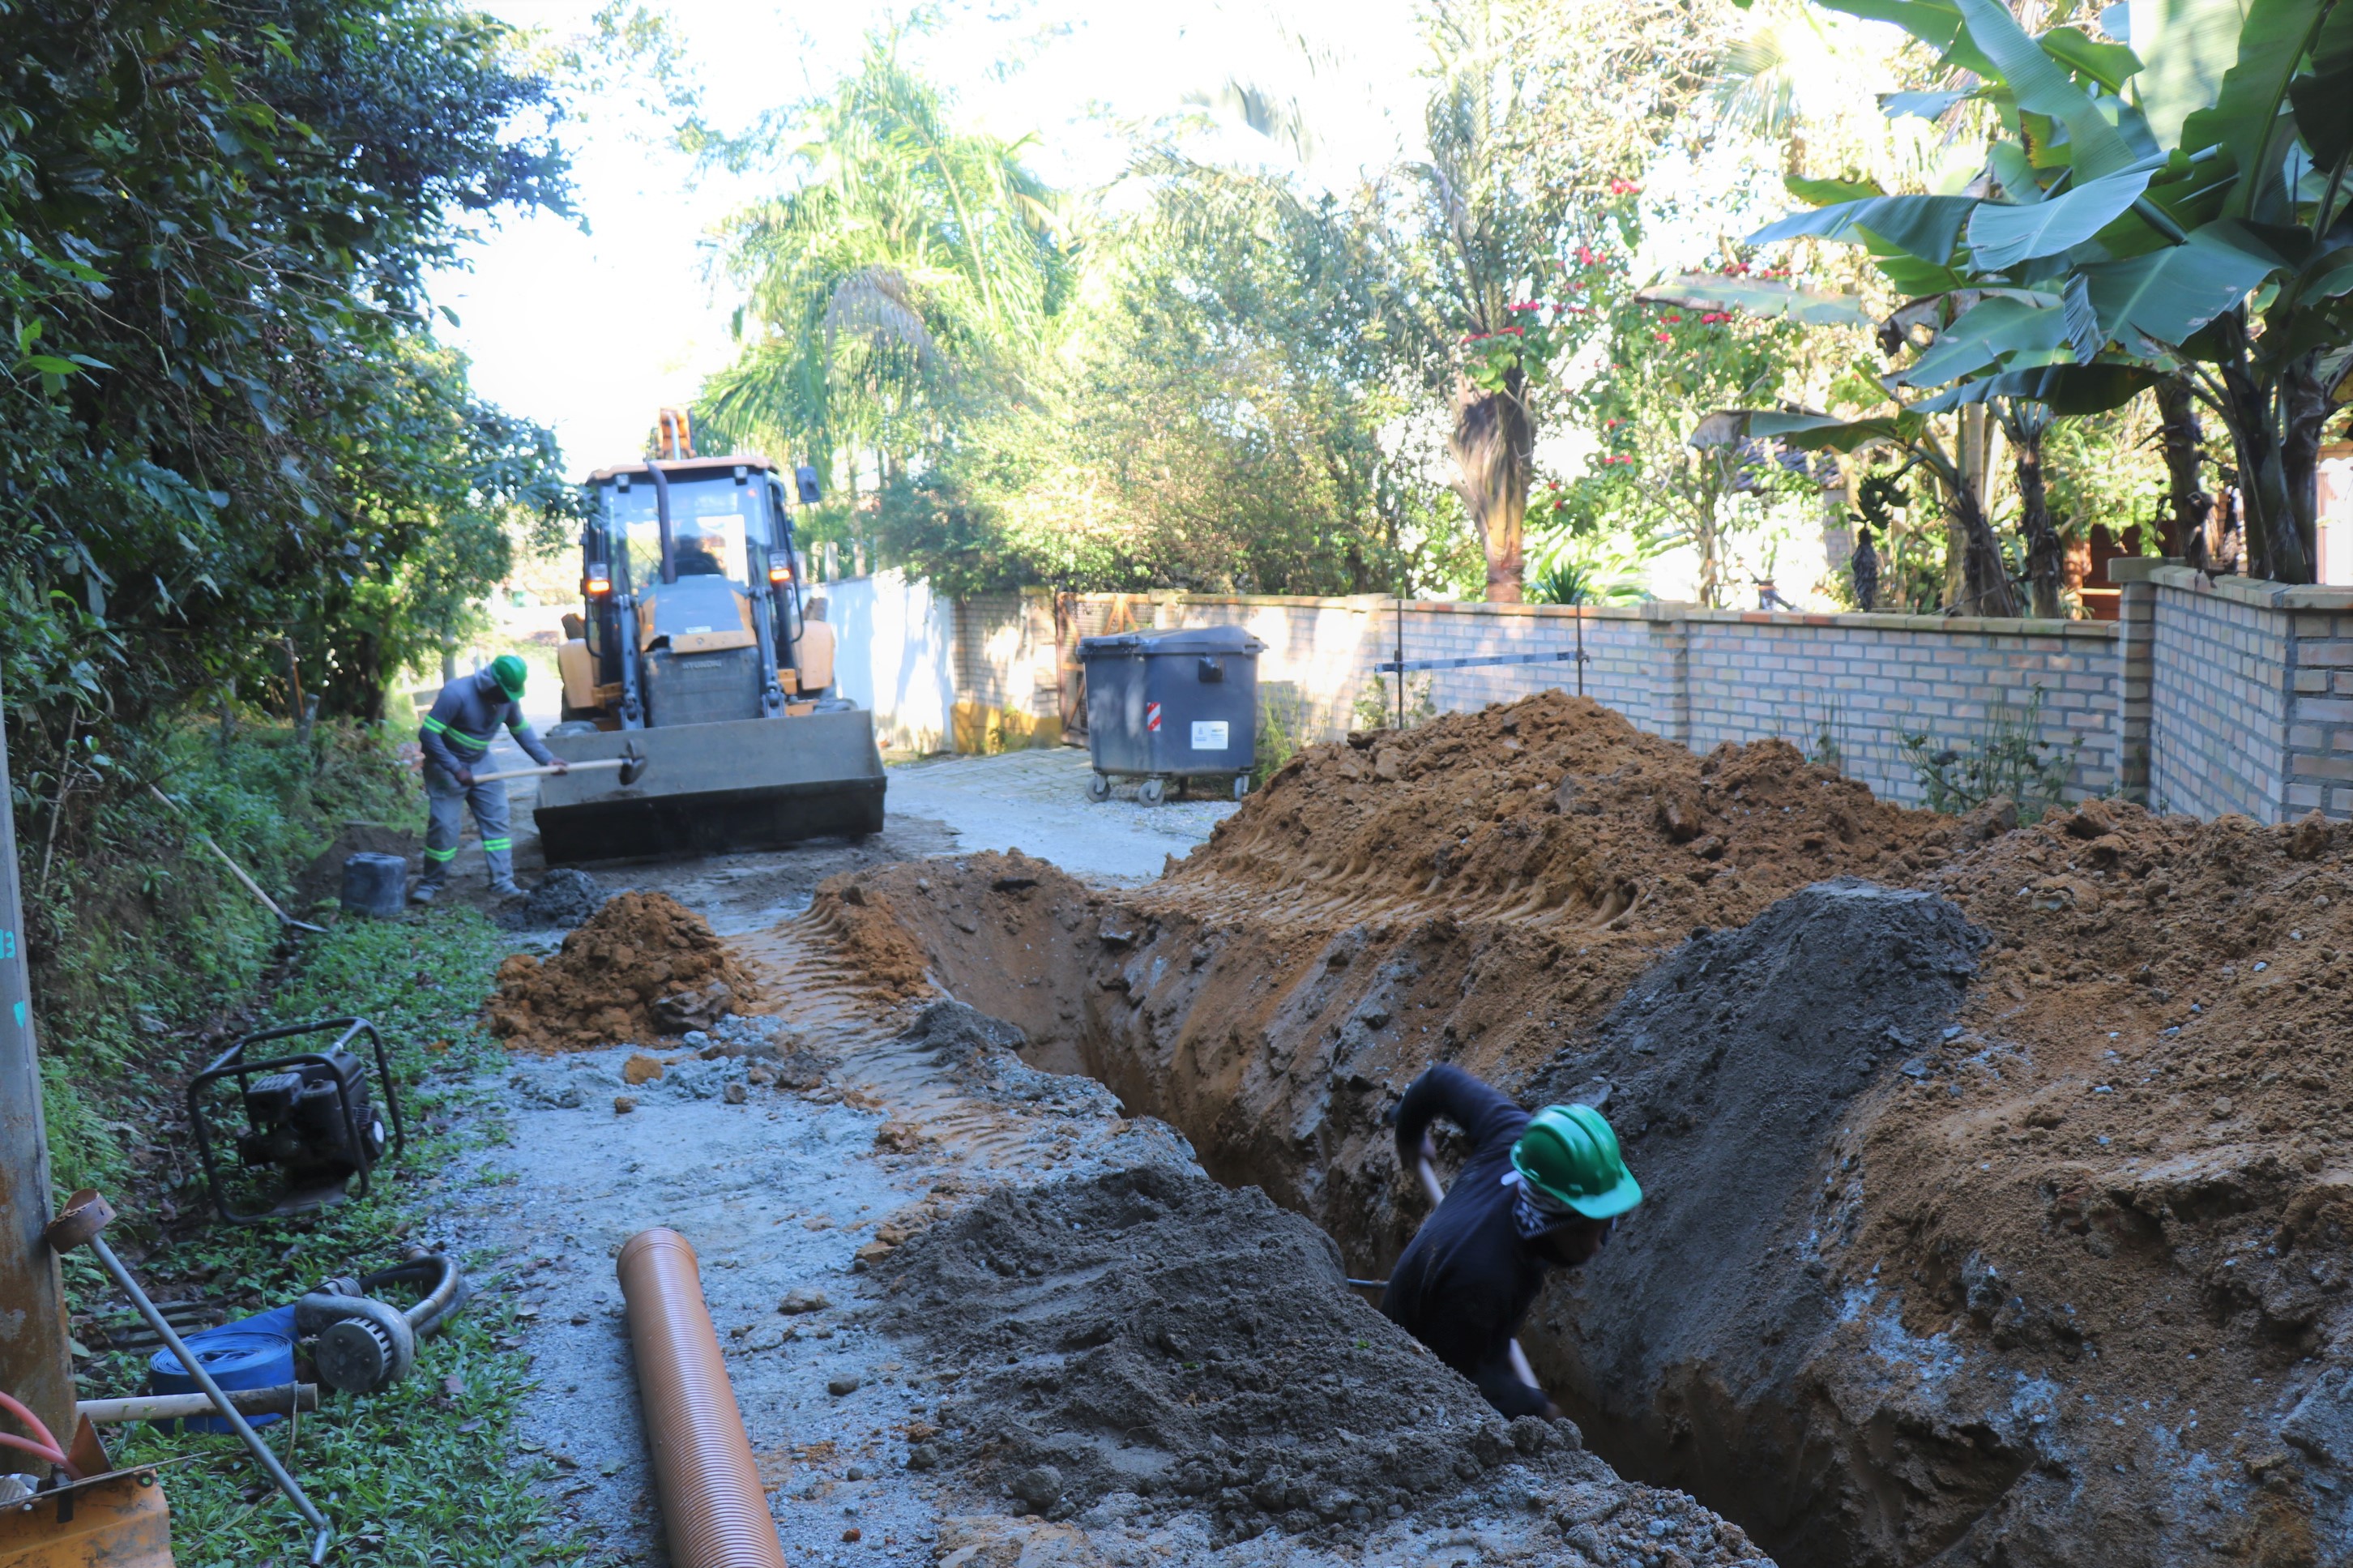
{"x": 631, "y": 762}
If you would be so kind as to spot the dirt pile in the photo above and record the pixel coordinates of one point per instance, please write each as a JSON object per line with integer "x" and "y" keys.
{"x": 1691, "y": 1345}
{"x": 1557, "y": 805}
{"x": 1151, "y": 1332}
{"x": 865, "y": 926}
{"x": 565, "y": 897}
{"x": 642, "y": 967}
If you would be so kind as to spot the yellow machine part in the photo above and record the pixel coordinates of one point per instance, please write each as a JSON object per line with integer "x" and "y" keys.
{"x": 574, "y": 663}
{"x": 122, "y": 1522}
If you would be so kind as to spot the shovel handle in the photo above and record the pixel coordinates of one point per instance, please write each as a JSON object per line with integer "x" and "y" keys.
{"x": 535, "y": 772}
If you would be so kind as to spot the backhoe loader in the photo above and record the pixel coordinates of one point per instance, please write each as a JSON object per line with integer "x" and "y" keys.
{"x": 693, "y": 657}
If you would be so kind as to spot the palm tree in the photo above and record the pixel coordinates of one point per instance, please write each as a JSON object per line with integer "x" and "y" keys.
{"x": 912, "y": 264}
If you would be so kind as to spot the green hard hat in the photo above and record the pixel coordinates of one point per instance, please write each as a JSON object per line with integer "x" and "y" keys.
{"x": 511, "y": 672}
{"x": 1567, "y": 1154}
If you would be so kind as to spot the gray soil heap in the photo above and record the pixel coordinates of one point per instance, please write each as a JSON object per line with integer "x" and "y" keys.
{"x": 1730, "y": 1068}
{"x": 1151, "y": 1331}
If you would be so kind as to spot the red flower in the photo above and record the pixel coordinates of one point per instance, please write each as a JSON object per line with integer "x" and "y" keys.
{"x": 1624, "y": 187}
{"x": 1675, "y": 318}
{"x": 1664, "y": 336}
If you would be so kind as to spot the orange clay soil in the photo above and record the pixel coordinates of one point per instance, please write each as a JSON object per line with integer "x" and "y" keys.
{"x": 1960, "y": 1313}
{"x": 600, "y": 987}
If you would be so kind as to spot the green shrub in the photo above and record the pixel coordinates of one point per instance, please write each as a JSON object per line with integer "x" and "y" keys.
{"x": 2011, "y": 761}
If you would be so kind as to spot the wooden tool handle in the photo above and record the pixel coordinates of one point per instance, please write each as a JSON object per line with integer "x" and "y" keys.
{"x": 535, "y": 772}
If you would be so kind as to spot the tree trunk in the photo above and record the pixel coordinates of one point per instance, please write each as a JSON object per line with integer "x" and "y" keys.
{"x": 1707, "y": 529}
{"x": 2187, "y": 503}
{"x": 1491, "y": 446}
{"x": 1985, "y": 584}
{"x": 2044, "y": 556}
{"x": 1985, "y": 581}
{"x": 2303, "y": 410}
{"x": 2275, "y": 431}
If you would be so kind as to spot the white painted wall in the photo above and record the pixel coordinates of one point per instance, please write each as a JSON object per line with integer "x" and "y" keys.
{"x": 895, "y": 656}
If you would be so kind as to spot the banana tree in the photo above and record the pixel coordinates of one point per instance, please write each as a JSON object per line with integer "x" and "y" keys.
{"x": 2132, "y": 224}
{"x": 1955, "y": 456}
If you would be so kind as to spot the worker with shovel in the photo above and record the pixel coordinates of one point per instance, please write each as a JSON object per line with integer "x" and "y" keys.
{"x": 456, "y": 736}
{"x": 1538, "y": 1192}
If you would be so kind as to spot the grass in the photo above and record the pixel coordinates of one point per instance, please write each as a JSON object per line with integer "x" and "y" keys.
{"x": 426, "y": 1473}
{"x": 137, "y": 933}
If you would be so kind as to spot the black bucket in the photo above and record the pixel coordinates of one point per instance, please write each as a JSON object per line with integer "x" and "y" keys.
{"x": 374, "y": 883}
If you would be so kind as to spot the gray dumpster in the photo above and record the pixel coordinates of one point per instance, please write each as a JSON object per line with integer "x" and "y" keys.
{"x": 1165, "y": 705}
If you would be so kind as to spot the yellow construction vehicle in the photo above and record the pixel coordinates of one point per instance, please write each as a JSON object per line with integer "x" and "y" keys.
{"x": 693, "y": 657}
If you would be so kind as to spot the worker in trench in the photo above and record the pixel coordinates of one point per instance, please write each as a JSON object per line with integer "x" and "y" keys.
{"x": 1537, "y": 1192}
{"x": 456, "y": 735}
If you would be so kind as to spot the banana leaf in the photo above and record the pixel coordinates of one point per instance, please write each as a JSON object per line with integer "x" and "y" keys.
{"x": 1990, "y": 332}
{"x": 1935, "y": 23}
{"x": 2070, "y": 389}
{"x": 2000, "y": 236}
{"x": 2323, "y": 96}
{"x": 1818, "y": 433}
{"x": 2168, "y": 294}
{"x": 1823, "y": 193}
{"x": 1925, "y": 105}
{"x": 2186, "y": 46}
{"x": 1761, "y": 297}
{"x": 1923, "y": 226}
{"x": 2108, "y": 64}
{"x": 2042, "y": 87}
{"x": 2245, "y": 118}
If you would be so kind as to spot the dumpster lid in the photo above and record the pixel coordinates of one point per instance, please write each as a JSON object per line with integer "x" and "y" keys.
{"x": 1187, "y": 640}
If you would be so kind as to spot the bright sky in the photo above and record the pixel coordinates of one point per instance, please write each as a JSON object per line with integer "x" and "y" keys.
{"x": 590, "y": 333}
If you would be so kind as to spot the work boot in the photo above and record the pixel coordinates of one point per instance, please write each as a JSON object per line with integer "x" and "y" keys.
{"x": 423, "y": 893}
{"x": 505, "y": 888}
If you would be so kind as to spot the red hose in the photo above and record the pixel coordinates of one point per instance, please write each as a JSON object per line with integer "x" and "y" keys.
{"x": 43, "y": 1445}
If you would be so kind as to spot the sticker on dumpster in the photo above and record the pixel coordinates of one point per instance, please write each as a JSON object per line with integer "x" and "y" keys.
{"x": 1209, "y": 735}
{"x": 1152, "y": 717}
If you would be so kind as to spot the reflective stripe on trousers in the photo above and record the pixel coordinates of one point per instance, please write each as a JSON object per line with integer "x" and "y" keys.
{"x": 446, "y": 803}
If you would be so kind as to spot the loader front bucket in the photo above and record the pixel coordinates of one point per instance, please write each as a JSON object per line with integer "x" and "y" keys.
{"x": 713, "y": 788}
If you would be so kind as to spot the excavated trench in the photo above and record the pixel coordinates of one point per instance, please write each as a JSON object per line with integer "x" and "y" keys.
{"x": 1938, "y": 1266}
{"x": 1684, "y": 1352}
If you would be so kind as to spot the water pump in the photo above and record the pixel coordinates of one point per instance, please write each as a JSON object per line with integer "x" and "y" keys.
{"x": 311, "y": 1119}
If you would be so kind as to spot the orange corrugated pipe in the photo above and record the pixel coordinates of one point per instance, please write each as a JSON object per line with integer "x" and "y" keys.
{"x": 712, "y": 1507}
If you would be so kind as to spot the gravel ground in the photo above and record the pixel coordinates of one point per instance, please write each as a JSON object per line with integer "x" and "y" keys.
{"x": 1037, "y": 801}
{"x": 776, "y": 1195}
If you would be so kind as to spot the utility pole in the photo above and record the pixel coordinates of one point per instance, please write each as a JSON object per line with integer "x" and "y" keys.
{"x": 36, "y": 1354}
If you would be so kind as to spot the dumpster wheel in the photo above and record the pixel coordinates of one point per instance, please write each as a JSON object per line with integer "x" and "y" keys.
{"x": 1098, "y": 787}
{"x": 1152, "y": 791}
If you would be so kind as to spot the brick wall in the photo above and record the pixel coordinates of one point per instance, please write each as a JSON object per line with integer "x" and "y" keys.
{"x": 2217, "y": 712}
{"x": 1863, "y": 683}
{"x": 1704, "y": 676}
{"x": 2250, "y": 697}
{"x": 2204, "y": 697}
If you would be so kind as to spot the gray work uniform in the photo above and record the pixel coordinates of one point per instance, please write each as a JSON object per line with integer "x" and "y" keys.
{"x": 456, "y": 735}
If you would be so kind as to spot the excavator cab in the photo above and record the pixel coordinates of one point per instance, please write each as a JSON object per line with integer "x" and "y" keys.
{"x": 689, "y": 649}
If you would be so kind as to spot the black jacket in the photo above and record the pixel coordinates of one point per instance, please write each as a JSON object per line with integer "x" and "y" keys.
{"x": 1466, "y": 1279}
